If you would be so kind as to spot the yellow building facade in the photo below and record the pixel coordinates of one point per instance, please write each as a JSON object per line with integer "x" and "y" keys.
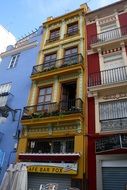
{"x": 52, "y": 143}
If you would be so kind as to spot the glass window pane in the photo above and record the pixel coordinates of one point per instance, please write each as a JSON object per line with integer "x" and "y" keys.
{"x": 39, "y": 107}
{"x": 74, "y": 50}
{"x": 49, "y": 90}
{"x": 47, "y": 58}
{"x": 48, "y": 98}
{"x": 41, "y": 99}
{"x": 42, "y": 91}
{"x": 70, "y": 146}
{"x": 57, "y": 147}
{"x": 67, "y": 52}
{"x": 53, "y": 56}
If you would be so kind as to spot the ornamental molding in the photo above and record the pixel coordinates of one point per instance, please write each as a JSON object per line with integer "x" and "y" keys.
{"x": 71, "y": 76}
{"x": 73, "y": 19}
{"x": 111, "y": 51}
{"x": 50, "y": 129}
{"x": 107, "y": 20}
{"x": 115, "y": 96}
{"x": 55, "y": 25}
{"x": 19, "y": 49}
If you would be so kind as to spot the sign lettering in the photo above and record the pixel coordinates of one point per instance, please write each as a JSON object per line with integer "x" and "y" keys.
{"x": 65, "y": 169}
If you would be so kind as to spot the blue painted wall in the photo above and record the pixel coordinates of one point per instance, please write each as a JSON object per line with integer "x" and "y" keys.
{"x": 21, "y": 83}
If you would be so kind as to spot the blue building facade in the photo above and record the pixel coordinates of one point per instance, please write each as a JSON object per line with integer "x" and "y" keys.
{"x": 15, "y": 70}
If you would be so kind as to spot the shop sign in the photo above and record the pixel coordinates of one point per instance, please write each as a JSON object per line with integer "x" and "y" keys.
{"x": 56, "y": 168}
{"x": 115, "y": 96}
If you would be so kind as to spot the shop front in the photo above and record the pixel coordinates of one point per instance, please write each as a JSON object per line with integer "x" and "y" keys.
{"x": 42, "y": 173}
{"x": 59, "y": 174}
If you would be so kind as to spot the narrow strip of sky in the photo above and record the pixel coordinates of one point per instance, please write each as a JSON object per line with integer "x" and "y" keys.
{"x": 23, "y": 16}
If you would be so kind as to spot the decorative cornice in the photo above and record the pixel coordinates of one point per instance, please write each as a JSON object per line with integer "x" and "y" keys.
{"x": 19, "y": 49}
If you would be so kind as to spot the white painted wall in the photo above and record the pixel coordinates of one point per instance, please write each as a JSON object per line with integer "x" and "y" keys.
{"x": 6, "y": 38}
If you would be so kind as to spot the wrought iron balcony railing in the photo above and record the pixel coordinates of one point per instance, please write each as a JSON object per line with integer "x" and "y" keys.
{"x": 109, "y": 35}
{"x": 111, "y": 143}
{"x": 114, "y": 124}
{"x": 59, "y": 63}
{"x": 53, "y": 109}
{"x": 71, "y": 33}
{"x": 55, "y": 38}
{"x": 108, "y": 76}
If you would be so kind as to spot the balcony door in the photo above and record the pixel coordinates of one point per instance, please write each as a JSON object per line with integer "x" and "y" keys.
{"x": 49, "y": 60}
{"x": 68, "y": 96}
{"x": 71, "y": 56}
{"x": 109, "y": 31}
{"x": 113, "y": 68}
{"x": 44, "y": 99}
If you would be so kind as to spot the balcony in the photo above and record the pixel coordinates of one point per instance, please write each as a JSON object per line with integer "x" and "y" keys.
{"x": 109, "y": 36}
{"x": 71, "y": 33}
{"x": 54, "y": 39}
{"x": 50, "y": 110}
{"x": 114, "y": 124}
{"x": 110, "y": 143}
{"x": 108, "y": 77}
{"x": 57, "y": 67}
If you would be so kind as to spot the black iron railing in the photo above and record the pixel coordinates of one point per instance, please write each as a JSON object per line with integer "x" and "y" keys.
{"x": 71, "y": 33}
{"x": 114, "y": 124}
{"x": 55, "y": 38}
{"x": 53, "y": 109}
{"x": 108, "y": 76}
{"x": 109, "y": 35}
{"x": 54, "y": 64}
{"x": 111, "y": 143}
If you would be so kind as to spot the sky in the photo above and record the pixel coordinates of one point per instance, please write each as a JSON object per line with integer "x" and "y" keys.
{"x": 21, "y": 17}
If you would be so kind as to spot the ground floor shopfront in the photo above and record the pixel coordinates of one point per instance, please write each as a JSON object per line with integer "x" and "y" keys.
{"x": 38, "y": 180}
{"x": 111, "y": 172}
{"x": 62, "y": 175}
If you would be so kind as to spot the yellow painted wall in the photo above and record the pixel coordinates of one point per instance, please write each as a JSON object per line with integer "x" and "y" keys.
{"x": 79, "y": 147}
{"x": 22, "y": 145}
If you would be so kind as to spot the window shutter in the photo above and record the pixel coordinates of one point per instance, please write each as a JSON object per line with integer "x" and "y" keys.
{"x": 113, "y": 110}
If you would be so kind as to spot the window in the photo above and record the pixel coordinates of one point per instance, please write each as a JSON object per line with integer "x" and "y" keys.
{"x": 69, "y": 146}
{"x": 54, "y": 34}
{"x": 109, "y": 31}
{"x": 113, "y": 68}
{"x": 113, "y": 60}
{"x": 71, "y": 51}
{"x": 13, "y": 61}
{"x": 72, "y": 28}
{"x": 45, "y": 95}
{"x": 49, "y": 60}
{"x": 52, "y": 146}
{"x": 5, "y": 88}
{"x": 71, "y": 56}
{"x": 108, "y": 26}
{"x": 4, "y": 92}
{"x": 113, "y": 110}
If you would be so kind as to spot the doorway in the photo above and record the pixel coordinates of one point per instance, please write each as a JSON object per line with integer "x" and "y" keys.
{"x": 68, "y": 96}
